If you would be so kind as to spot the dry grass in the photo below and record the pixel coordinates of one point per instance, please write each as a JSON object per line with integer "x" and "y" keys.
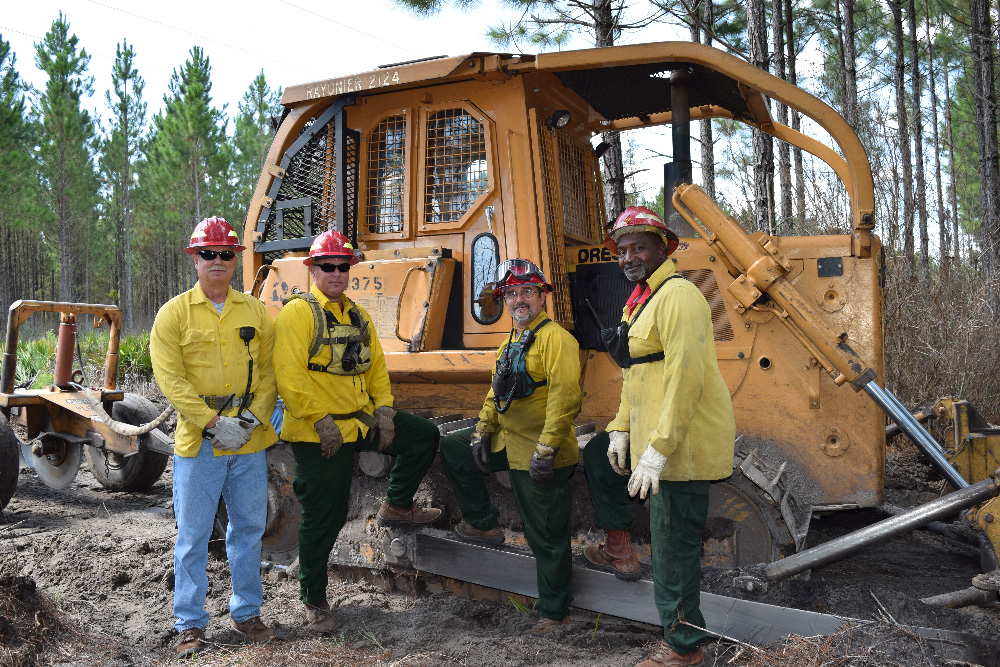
{"x": 943, "y": 339}
{"x": 874, "y": 645}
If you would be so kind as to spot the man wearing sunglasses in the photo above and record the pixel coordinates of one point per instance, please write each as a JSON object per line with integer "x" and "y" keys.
{"x": 526, "y": 427}
{"x": 332, "y": 377}
{"x": 211, "y": 351}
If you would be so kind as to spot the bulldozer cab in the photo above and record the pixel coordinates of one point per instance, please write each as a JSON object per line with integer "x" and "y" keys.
{"x": 438, "y": 170}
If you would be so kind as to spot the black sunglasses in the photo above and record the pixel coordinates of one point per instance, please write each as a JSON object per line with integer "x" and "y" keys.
{"x": 209, "y": 255}
{"x": 330, "y": 268}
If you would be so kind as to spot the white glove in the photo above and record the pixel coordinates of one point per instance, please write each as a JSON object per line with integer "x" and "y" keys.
{"x": 618, "y": 452}
{"x": 646, "y": 476}
{"x": 230, "y": 434}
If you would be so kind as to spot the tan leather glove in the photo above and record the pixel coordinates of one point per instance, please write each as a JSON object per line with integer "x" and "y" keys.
{"x": 540, "y": 467}
{"x": 330, "y": 437}
{"x": 386, "y": 428}
{"x": 646, "y": 476}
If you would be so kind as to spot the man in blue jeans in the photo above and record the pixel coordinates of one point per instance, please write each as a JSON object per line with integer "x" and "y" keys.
{"x": 211, "y": 350}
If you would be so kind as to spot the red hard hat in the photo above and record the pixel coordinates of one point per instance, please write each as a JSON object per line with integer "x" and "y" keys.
{"x": 331, "y": 244}
{"x": 519, "y": 272}
{"x": 640, "y": 219}
{"x": 213, "y": 232}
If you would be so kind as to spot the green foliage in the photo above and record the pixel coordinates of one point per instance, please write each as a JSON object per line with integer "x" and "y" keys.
{"x": 133, "y": 356}
{"x": 519, "y": 606}
{"x": 34, "y": 357}
{"x": 252, "y": 138}
{"x": 122, "y": 147}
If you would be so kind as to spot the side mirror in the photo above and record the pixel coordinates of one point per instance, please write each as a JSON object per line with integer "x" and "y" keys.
{"x": 485, "y": 258}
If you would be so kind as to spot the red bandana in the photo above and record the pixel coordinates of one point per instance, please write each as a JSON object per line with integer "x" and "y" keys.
{"x": 639, "y": 296}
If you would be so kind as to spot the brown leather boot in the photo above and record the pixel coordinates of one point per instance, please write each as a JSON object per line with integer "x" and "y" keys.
{"x": 664, "y": 656}
{"x": 615, "y": 555}
{"x": 390, "y": 516}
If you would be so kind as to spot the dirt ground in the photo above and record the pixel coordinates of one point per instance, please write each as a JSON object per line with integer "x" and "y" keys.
{"x": 86, "y": 579}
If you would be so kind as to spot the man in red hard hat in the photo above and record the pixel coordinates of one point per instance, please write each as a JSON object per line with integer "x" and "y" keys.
{"x": 526, "y": 427}
{"x": 674, "y": 429}
{"x": 211, "y": 351}
{"x": 332, "y": 377}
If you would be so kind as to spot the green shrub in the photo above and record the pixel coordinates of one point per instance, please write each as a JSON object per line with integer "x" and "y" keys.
{"x": 34, "y": 357}
{"x": 133, "y": 356}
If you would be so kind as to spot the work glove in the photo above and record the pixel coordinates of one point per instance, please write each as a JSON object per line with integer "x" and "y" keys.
{"x": 540, "y": 468}
{"x": 229, "y": 434}
{"x": 480, "y": 443}
{"x": 386, "y": 428}
{"x": 330, "y": 437}
{"x": 646, "y": 476}
{"x": 618, "y": 452}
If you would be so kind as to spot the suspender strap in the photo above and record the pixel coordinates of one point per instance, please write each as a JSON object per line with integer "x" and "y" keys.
{"x": 216, "y": 402}
{"x": 655, "y": 356}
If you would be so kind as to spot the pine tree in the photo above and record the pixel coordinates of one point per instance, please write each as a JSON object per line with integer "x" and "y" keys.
{"x": 20, "y": 243}
{"x": 185, "y": 174}
{"x": 122, "y": 148}
{"x": 252, "y": 137}
{"x": 64, "y": 154}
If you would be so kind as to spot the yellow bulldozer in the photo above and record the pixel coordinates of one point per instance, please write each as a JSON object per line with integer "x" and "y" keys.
{"x": 438, "y": 170}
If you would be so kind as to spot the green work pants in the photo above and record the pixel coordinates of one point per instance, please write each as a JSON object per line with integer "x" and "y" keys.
{"x": 544, "y": 508}
{"x": 613, "y": 507}
{"x": 323, "y": 487}
{"x": 677, "y": 515}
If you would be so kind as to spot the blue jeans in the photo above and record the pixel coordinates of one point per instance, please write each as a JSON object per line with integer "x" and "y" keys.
{"x": 199, "y": 482}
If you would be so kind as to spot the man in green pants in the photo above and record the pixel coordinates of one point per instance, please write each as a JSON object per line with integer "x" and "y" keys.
{"x": 675, "y": 428}
{"x": 526, "y": 426}
{"x": 331, "y": 373}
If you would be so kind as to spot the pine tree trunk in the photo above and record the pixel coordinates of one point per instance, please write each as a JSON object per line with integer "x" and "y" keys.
{"x": 904, "y": 132}
{"x": 784, "y": 153}
{"x": 983, "y": 42}
{"x": 614, "y": 166}
{"x": 943, "y": 241}
{"x": 952, "y": 192}
{"x": 763, "y": 149}
{"x": 800, "y": 188}
{"x": 850, "y": 67}
{"x": 918, "y": 143}
{"x": 707, "y": 140}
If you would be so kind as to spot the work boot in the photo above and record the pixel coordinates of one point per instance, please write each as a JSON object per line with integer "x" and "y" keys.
{"x": 390, "y": 516}
{"x": 544, "y": 626}
{"x": 664, "y": 656}
{"x": 615, "y": 555}
{"x": 255, "y": 630}
{"x": 320, "y": 619}
{"x": 190, "y": 642}
{"x": 492, "y": 537}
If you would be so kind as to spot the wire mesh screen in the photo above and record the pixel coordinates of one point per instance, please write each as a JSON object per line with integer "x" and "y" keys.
{"x": 578, "y": 187}
{"x": 455, "y": 166}
{"x": 561, "y": 305}
{"x": 386, "y": 155}
{"x": 306, "y": 202}
{"x": 704, "y": 280}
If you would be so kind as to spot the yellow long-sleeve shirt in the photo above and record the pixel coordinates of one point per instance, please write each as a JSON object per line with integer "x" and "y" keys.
{"x": 198, "y": 352}
{"x": 311, "y": 395}
{"x": 547, "y": 415}
{"x": 680, "y": 406}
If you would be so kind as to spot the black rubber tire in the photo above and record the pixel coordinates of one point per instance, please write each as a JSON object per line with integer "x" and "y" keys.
{"x": 135, "y": 473}
{"x": 9, "y": 461}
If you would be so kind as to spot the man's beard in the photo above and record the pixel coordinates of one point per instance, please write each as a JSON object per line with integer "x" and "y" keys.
{"x": 519, "y": 319}
{"x": 636, "y": 272}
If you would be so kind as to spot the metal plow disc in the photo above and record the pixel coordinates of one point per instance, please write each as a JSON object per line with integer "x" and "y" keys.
{"x": 281, "y": 533}
{"x": 58, "y": 463}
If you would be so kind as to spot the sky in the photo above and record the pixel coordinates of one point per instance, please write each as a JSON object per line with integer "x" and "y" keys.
{"x": 293, "y": 41}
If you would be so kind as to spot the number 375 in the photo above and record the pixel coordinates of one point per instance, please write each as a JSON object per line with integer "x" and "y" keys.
{"x": 362, "y": 283}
